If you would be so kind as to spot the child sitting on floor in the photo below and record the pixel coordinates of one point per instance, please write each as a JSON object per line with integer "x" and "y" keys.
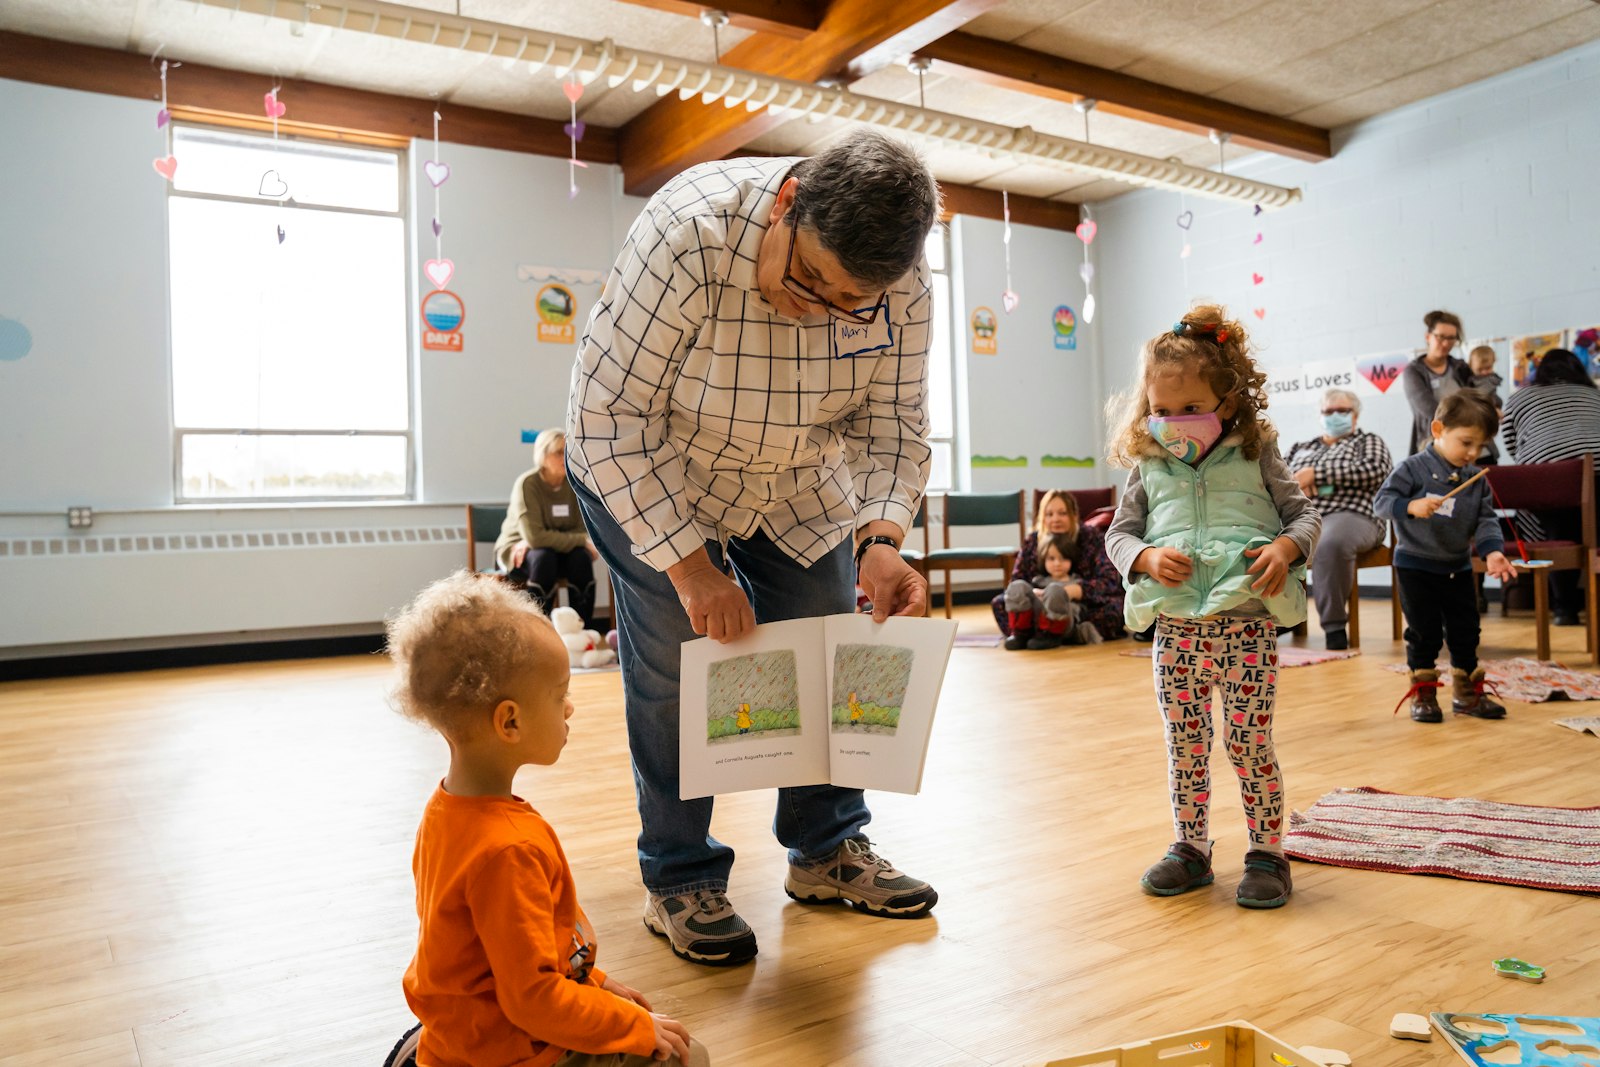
{"x": 1049, "y": 606}
{"x": 505, "y": 965}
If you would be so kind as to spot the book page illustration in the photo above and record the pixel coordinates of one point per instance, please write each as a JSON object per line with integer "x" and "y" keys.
{"x": 869, "y": 687}
{"x": 752, "y": 696}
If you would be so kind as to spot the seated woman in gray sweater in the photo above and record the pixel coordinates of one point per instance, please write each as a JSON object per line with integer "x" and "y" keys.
{"x": 543, "y": 539}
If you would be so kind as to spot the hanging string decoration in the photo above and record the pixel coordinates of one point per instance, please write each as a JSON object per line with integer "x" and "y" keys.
{"x": 438, "y": 269}
{"x": 272, "y": 184}
{"x": 1086, "y": 231}
{"x": 1009, "y": 298}
{"x": 165, "y": 164}
{"x": 574, "y": 131}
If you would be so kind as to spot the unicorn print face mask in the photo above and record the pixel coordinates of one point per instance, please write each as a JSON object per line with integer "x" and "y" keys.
{"x": 1189, "y": 437}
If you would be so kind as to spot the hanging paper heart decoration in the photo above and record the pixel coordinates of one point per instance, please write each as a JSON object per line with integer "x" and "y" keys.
{"x": 1383, "y": 371}
{"x": 574, "y": 90}
{"x": 1086, "y": 231}
{"x": 1261, "y": 313}
{"x": 438, "y": 173}
{"x": 1088, "y": 308}
{"x": 1008, "y": 300}
{"x": 438, "y": 227}
{"x": 575, "y": 130}
{"x": 1185, "y": 220}
{"x": 439, "y": 271}
{"x": 273, "y": 187}
{"x": 1185, "y": 253}
{"x": 166, "y": 167}
{"x": 281, "y": 235}
{"x": 163, "y": 117}
{"x": 1257, "y": 240}
{"x": 273, "y": 106}
{"x": 1257, "y": 210}
{"x": 1086, "y": 272}
{"x": 1258, "y": 279}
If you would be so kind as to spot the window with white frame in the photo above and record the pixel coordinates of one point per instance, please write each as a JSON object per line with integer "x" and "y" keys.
{"x": 290, "y": 354}
{"x": 941, "y": 367}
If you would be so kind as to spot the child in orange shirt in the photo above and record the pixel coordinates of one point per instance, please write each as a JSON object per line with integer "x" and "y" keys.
{"x": 504, "y": 973}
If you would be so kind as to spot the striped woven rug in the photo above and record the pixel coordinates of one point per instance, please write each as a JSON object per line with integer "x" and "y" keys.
{"x": 1459, "y": 837}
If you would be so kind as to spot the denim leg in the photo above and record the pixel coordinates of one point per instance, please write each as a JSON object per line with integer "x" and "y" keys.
{"x": 677, "y": 853}
{"x": 811, "y": 821}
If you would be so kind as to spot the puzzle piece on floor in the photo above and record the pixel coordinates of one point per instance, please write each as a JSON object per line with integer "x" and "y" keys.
{"x": 1500, "y": 1039}
{"x": 1511, "y": 967}
{"x": 1332, "y": 1057}
{"x": 1410, "y": 1026}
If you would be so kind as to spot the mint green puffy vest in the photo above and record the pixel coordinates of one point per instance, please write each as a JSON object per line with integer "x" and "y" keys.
{"x": 1210, "y": 513}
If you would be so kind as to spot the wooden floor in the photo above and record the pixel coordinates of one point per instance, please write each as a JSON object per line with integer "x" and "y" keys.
{"x": 212, "y": 866}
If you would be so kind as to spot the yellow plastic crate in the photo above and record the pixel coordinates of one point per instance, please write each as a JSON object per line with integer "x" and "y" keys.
{"x": 1232, "y": 1044}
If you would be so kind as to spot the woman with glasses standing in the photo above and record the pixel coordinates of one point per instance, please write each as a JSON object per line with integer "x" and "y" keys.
{"x": 1434, "y": 375}
{"x": 1340, "y": 471}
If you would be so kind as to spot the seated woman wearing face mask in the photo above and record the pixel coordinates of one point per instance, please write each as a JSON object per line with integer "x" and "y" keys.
{"x": 1340, "y": 471}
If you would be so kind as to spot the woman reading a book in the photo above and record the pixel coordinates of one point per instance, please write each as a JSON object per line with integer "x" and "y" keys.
{"x": 747, "y": 439}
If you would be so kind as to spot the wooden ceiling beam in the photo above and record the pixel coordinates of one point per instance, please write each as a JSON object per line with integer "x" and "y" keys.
{"x": 1011, "y": 66}
{"x": 786, "y": 18}
{"x": 233, "y": 97}
{"x": 1025, "y": 210}
{"x": 672, "y": 134}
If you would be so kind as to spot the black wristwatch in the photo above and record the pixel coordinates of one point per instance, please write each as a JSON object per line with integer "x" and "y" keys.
{"x": 875, "y": 539}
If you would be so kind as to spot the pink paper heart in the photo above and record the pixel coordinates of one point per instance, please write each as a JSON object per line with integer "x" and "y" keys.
{"x": 273, "y": 106}
{"x": 1086, "y": 231}
{"x": 1257, "y": 240}
{"x": 438, "y": 173}
{"x": 1258, "y": 279}
{"x": 574, "y": 90}
{"x": 166, "y": 167}
{"x": 439, "y": 271}
{"x": 575, "y": 130}
{"x": 163, "y": 117}
{"x": 1008, "y": 300}
{"x": 1261, "y": 313}
{"x": 1383, "y": 371}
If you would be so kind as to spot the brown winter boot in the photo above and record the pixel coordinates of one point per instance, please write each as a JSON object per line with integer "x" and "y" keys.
{"x": 1021, "y": 630}
{"x": 1468, "y": 697}
{"x": 1424, "y": 697}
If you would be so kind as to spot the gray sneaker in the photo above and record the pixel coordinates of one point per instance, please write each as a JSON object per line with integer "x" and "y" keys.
{"x": 860, "y": 877}
{"x": 701, "y": 927}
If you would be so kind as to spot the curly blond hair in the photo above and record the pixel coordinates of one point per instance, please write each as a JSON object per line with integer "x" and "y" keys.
{"x": 1218, "y": 349}
{"x": 457, "y": 646}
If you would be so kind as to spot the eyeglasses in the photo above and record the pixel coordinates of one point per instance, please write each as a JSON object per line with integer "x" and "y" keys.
{"x": 811, "y": 296}
{"x": 1338, "y": 411}
{"x": 1445, "y": 338}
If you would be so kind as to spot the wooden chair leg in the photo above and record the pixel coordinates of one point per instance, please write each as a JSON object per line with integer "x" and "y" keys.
{"x": 1353, "y": 627}
{"x": 947, "y": 593}
{"x": 1541, "y": 610}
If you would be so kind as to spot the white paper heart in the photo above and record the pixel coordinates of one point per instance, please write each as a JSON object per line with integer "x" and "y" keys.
{"x": 1088, "y": 308}
{"x": 1186, "y": 220}
{"x": 1086, "y": 272}
{"x": 273, "y": 187}
{"x": 1008, "y": 300}
{"x": 1186, "y": 250}
{"x": 438, "y": 173}
{"x": 439, "y": 271}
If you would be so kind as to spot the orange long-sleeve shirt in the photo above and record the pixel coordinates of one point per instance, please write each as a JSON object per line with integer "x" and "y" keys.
{"x": 504, "y": 973}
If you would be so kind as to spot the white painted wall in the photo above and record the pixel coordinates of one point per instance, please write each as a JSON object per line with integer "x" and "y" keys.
{"x": 1484, "y": 201}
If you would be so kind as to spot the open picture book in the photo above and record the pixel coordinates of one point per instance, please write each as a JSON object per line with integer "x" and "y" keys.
{"x": 837, "y": 700}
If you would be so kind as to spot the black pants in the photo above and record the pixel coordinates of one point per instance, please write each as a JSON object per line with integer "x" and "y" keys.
{"x": 1439, "y": 609}
{"x": 1566, "y": 596}
{"x": 543, "y": 567}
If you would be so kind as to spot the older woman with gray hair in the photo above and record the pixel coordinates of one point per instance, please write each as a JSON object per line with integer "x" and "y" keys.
{"x": 1340, "y": 471}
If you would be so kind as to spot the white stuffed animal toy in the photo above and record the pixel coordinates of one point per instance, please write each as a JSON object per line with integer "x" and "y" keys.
{"x": 585, "y": 648}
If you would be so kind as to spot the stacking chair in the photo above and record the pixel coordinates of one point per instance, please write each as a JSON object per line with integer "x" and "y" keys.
{"x": 1381, "y": 556}
{"x": 1089, "y": 501}
{"x": 483, "y": 527}
{"x": 976, "y": 509}
{"x": 1562, "y": 486}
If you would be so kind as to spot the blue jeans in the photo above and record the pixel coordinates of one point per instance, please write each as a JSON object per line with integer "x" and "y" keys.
{"x": 677, "y": 853}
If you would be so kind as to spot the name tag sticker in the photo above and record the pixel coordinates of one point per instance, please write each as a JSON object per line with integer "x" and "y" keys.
{"x": 560, "y": 511}
{"x": 1448, "y": 508}
{"x": 854, "y": 338}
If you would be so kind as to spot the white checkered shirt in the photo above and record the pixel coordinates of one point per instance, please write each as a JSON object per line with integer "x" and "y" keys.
{"x": 699, "y": 414}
